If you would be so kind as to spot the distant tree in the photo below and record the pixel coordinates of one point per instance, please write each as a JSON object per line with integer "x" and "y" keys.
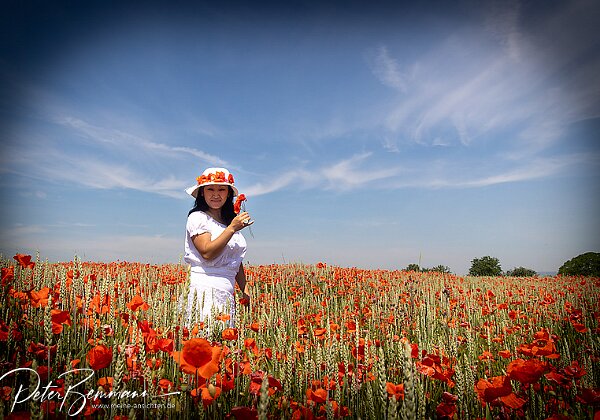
{"x": 412, "y": 267}
{"x": 485, "y": 266}
{"x": 440, "y": 269}
{"x": 587, "y": 264}
{"x": 521, "y": 272}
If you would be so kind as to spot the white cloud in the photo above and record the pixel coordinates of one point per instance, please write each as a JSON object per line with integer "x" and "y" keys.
{"x": 535, "y": 169}
{"x": 355, "y": 173}
{"x": 386, "y": 69}
{"x": 345, "y": 174}
{"x": 125, "y": 161}
{"x": 348, "y": 174}
{"x": 499, "y": 80}
{"x": 277, "y": 183}
{"x": 68, "y": 168}
{"x": 121, "y": 139}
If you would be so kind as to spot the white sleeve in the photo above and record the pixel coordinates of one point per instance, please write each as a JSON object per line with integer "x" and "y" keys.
{"x": 197, "y": 223}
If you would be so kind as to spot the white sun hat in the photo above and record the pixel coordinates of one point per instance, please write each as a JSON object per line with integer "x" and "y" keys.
{"x": 213, "y": 176}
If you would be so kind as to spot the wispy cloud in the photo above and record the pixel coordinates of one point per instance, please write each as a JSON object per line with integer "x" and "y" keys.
{"x": 360, "y": 171}
{"x": 387, "y": 70}
{"x": 105, "y": 175}
{"x": 500, "y": 79}
{"x": 121, "y": 139}
{"x": 536, "y": 169}
{"x": 348, "y": 173}
{"x": 102, "y": 158}
{"x": 345, "y": 174}
{"x": 297, "y": 176}
{"x": 68, "y": 168}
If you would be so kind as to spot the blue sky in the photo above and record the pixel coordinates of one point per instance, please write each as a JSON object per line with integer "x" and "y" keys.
{"x": 363, "y": 136}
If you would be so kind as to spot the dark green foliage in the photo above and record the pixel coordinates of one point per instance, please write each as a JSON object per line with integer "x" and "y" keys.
{"x": 412, "y": 267}
{"x": 438, "y": 268}
{"x": 521, "y": 272}
{"x": 485, "y": 266}
{"x": 587, "y": 264}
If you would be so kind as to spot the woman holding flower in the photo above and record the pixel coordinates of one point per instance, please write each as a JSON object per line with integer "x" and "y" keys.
{"x": 214, "y": 245}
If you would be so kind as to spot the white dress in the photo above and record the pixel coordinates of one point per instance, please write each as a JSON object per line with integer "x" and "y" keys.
{"x": 213, "y": 281}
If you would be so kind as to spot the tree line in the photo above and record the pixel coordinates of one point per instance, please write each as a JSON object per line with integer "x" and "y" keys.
{"x": 587, "y": 264}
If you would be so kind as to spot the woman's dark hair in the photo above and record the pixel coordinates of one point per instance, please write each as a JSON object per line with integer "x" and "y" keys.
{"x": 227, "y": 212}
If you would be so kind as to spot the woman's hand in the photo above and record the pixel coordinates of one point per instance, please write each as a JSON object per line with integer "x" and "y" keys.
{"x": 240, "y": 221}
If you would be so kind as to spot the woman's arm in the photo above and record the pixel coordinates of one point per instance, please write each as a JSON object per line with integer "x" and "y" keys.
{"x": 211, "y": 248}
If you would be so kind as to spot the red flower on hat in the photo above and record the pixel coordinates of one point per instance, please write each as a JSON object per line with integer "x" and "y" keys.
{"x": 218, "y": 176}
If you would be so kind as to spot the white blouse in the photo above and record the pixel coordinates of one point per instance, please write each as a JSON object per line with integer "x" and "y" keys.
{"x": 228, "y": 262}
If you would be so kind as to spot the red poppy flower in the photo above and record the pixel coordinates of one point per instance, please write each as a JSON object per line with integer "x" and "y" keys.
{"x": 209, "y": 393}
{"x": 447, "y": 408}
{"x": 99, "y": 357}
{"x": 489, "y": 389}
{"x": 43, "y": 371}
{"x": 106, "y": 382}
{"x": 41, "y": 350}
{"x": 24, "y": 260}
{"x": 8, "y": 275}
{"x": 394, "y": 390}
{"x": 166, "y": 345}
{"x": 512, "y": 401}
{"x": 589, "y": 396}
{"x": 198, "y": 357}
{"x": 317, "y": 396}
{"x": 526, "y": 371}
{"x": 5, "y": 393}
{"x": 59, "y": 318}
{"x": 39, "y": 299}
{"x": 558, "y": 379}
{"x": 575, "y": 370}
{"x": 223, "y": 317}
{"x": 238, "y": 203}
{"x": 230, "y": 334}
{"x": 319, "y": 333}
{"x": 4, "y": 330}
{"x": 165, "y": 385}
{"x": 244, "y": 413}
{"x": 256, "y": 379}
{"x": 137, "y": 303}
{"x": 226, "y": 382}
{"x": 579, "y": 327}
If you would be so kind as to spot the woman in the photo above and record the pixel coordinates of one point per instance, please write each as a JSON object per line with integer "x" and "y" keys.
{"x": 214, "y": 245}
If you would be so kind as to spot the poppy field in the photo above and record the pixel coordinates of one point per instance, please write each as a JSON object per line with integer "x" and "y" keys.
{"x": 108, "y": 340}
